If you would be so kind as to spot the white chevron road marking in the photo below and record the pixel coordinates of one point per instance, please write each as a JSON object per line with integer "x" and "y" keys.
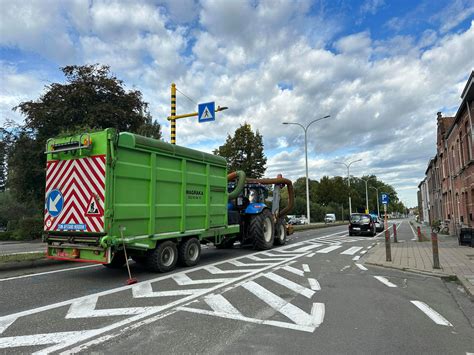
{"x": 290, "y": 284}
{"x": 328, "y": 249}
{"x": 351, "y": 251}
{"x": 39, "y": 339}
{"x": 385, "y": 281}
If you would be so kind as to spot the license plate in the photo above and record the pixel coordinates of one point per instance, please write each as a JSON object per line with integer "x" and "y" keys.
{"x": 62, "y": 253}
{"x": 356, "y": 228}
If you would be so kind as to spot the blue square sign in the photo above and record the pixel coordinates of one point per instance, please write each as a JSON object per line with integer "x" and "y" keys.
{"x": 385, "y": 199}
{"x": 207, "y": 112}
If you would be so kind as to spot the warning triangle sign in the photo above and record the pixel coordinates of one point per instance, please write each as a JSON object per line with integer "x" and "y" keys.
{"x": 94, "y": 208}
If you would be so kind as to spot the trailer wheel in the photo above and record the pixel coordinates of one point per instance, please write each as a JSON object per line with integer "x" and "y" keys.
{"x": 280, "y": 233}
{"x": 261, "y": 230}
{"x": 163, "y": 258}
{"x": 189, "y": 252}
{"x": 118, "y": 261}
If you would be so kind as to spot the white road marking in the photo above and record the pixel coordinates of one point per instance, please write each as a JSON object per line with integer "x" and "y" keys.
{"x": 310, "y": 255}
{"x": 328, "y": 249}
{"x": 362, "y": 267}
{"x": 184, "y": 280}
{"x": 345, "y": 267}
{"x": 307, "y": 248}
{"x": 215, "y": 270}
{"x": 351, "y": 251}
{"x": 39, "y": 339}
{"x": 363, "y": 252}
{"x": 306, "y": 268}
{"x": 49, "y": 272}
{"x": 145, "y": 290}
{"x": 219, "y": 304}
{"x": 314, "y": 284}
{"x": 385, "y": 281}
{"x": 432, "y": 314}
{"x": 290, "y": 284}
{"x": 297, "y": 315}
{"x": 355, "y": 258}
{"x": 293, "y": 270}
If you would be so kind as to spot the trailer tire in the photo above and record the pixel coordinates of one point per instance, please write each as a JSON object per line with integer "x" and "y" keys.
{"x": 280, "y": 233}
{"x": 163, "y": 258}
{"x": 189, "y": 252}
{"x": 118, "y": 261}
{"x": 262, "y": 230}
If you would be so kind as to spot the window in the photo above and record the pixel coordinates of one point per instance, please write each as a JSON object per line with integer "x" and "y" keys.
{"x": 461, "y": 151}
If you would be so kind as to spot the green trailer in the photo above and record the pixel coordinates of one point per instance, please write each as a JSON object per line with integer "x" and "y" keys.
{"x": 106, "y": 191}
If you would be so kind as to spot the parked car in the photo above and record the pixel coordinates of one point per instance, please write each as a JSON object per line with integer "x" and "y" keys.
{"x": 361, "y": 223}
{"x": 379, "y": 224}
{"x": 330, "y": 218}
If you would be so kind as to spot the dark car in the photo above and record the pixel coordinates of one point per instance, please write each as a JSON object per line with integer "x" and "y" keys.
{"x": 379, "y": 224}
{"x": 361, "y": 223}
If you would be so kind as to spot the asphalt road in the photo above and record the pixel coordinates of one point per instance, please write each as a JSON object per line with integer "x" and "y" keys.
{"x": 313, "y": 295}
{"x": 12, "y": 247}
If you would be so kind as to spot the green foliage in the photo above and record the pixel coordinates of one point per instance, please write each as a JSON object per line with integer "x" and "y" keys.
{"x": 3, "y": 166}
{"x": 29, "y": 228}
{"x": 244, "y": 151}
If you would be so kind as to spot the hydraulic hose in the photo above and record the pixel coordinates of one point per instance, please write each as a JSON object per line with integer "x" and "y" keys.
{"x": 240, "y": 183}
{"x": 278, "y": 181}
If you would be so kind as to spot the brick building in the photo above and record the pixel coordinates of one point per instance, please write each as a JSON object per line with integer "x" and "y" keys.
{"x": 450, "y": 175}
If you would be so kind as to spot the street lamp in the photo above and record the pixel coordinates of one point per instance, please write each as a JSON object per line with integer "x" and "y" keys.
{"x": 348, "y": 165}
{"x": 366, "y": 195}
{"x": 378, "y": 208}
{"x": 306, "y": 157}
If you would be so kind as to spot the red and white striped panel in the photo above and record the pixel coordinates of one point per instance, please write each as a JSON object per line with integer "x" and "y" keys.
{"x": 79, "y": 181}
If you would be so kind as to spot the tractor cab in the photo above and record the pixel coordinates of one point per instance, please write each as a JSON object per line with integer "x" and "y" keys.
{"x": 251, "y": 200}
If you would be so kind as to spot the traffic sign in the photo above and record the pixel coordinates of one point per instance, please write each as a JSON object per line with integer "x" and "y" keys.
{"x": 207, "y": 112}
{"x": 385, "y": 199}
{"x": 55, "y": 202}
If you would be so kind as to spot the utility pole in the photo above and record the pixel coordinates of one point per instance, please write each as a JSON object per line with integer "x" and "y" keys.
{"x": 173, "y": 117}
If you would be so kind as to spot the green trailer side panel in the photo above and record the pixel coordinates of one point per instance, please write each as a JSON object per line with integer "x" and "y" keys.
{"x": 161, "y": 188}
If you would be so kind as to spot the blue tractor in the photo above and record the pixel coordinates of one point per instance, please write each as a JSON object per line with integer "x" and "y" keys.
{"x": 261, "y": 227}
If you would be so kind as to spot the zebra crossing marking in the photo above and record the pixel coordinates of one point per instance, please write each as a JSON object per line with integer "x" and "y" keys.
{"x": 351, "y": 251}
{"x": 328, "y": 249}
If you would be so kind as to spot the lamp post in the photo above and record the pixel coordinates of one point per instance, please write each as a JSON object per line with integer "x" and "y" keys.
{"x": 366, "y": 195}
{"x": 378, "y": 207}
{"x": 305, "y": 129}
{"x": 348, "y": 166}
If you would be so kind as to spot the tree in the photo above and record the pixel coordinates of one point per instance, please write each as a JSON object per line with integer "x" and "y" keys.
{"x": 91, "y": 98}
{"x": 244, "y": 151}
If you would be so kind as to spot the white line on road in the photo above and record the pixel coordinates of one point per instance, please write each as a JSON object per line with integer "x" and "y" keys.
{"x": 351, "y": 251}
{"x": 49, "y": 272}
{"x": 329, "y": 249}
{"x": 293, "y": 270}
{"x": 314, "y": 284}
{"x": 345, "y": 267}
{"x": 355, "y": 258}
{"x": 290, "y": 284}
{"x": 363, "y": 252}
{"x": 306, "y": 268}
{"x": 385, "y": 281}
{"x": 362, "y": 267}
{"x": 432, "y": 314}
{"x": 310, "y": 255}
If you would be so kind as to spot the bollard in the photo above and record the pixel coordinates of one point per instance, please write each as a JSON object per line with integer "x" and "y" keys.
{"x": 395, "y": 233}
{"x": 388, "y": 251}
{"x": 434, "y": 242}
{"x": 419, "y": 234}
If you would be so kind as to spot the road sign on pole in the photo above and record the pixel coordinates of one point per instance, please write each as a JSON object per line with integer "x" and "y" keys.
{"x": 206, "y": 112}
{"x": 385, "y": 199}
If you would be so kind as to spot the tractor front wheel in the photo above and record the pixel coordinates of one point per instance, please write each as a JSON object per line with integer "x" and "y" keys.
{"x": 261, "y": 230}
{"x": 280, "y": 233}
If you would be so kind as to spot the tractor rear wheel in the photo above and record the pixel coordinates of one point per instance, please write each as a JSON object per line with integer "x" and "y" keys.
{"x": 261, "y": 230}
{"x": 163, "y": 258}
{"x": 280, "y": 233}
{"x": 189, "y": 252}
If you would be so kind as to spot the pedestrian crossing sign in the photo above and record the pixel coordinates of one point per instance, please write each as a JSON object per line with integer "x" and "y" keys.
{"x": 206, "y": 112}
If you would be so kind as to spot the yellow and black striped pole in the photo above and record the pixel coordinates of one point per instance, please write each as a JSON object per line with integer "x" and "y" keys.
{"x": 173, "y": 113}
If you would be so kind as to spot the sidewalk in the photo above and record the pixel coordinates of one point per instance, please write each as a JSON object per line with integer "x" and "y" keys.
{"x": 411, "y": 255}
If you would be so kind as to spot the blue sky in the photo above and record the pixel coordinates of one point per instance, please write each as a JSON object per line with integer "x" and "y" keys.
{"x": 381, "y": 69}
